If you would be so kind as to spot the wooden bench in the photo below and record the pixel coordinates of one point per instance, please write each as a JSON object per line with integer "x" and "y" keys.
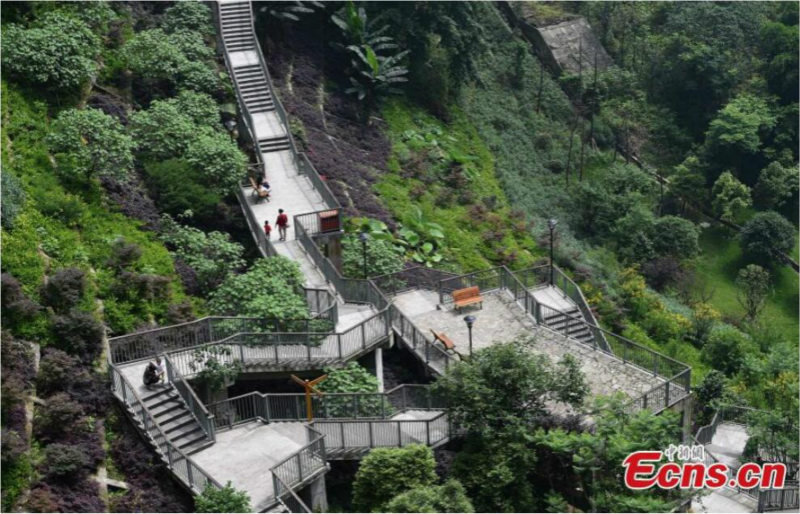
{"x": 446, "y": 341}
{"x": 467, "y": 296}
{"x": 259, "y": 192}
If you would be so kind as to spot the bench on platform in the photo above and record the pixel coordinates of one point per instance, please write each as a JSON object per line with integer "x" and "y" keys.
{"x": 446, "y": 341}
{"x": 467, "y": 296}
{"x": 259, "y": 192}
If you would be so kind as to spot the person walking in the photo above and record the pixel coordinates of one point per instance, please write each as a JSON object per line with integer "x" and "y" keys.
{"x": 267, "y": 229}
{"x": 283, "y": 223}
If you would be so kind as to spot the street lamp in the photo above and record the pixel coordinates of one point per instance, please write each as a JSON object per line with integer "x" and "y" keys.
{"x": 362, "y": 236}
{"x": 469, "y": 320}
{"x": 552, "y": 222}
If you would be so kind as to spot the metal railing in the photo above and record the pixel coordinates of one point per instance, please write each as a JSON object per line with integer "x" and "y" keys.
{"x": 305, "y": 167}
{"x": 196, "y": 407}
{"x": 181, "y": 465}
{"x": 272, "y": 407}
{"x": 787, "y": 498}
{"x": 421, "y": 344}
{"x": 361, "y": 435}
{"x": 415, "y": 277}
{"x": 264, "y": 245}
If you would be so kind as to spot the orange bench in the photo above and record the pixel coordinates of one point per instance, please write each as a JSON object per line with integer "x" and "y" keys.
{"x": 467, "y": 296}
{"x": 446, "y": 341}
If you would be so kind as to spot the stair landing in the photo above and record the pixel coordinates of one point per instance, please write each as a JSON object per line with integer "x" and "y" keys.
{"x": 553, "y": 297}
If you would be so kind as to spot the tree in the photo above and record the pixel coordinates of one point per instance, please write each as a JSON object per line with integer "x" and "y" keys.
{"x": 226, "y": 499}
{"x": 59, "y": 51}
{"x": 675, "y": 236}
{"x": 90, "y": 143}
{"x": 163, "y": 131}
{"x": 767, "y": 236}
{"x": 776, "y": 185}
{"x": 479, "y": 399}
{"x": 738, "y": 125}
{"x": 188, "y": 16}
{"x": 726, "y": 349}
{"x": 711, "y": 388}
{"x": 729, "y": 197}
{"x": 353, "y": 378}
{"x": 271, "y": 288}
{"x": 448, "y": 497}
{"x": 382, "y": 257}
{"x": 214, "y": 367}
{"x": 753, "y": 283}
{"x": 217, "y": 159}
{"x": 13, "y": 198}
{"x": 387, "y": 472}
{"x": 213, "y": 256}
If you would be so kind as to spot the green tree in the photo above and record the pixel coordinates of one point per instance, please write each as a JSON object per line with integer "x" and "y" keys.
{"x": 738, "y": 125}
{"x": 214, "y": 367}
{"x": 726, "y": 349}
{"x": 382, "y": 257}
{"x": 58, "y": 50}
{"x": 675, "y": 236}
{"x": 190, "y": 16}
{"x": 767, "y": 236}
{"x": 753, "y": 284}
{"x": 163, "y": 131}
{"x": 353, "y": 378}
{"x": 730, "y": 196}
{"x": 218, "y": 160}
{"x": 480, "y": 399}
{"x": 90, "y": 143}
{"x": 226, "y": 499}
{"x": 176, "y": 188}
{"x": 776, "y": 185}
{"x": 271, "y": 288}
{"x": 213, "y": 256}
{"x": 448, "y": 497}
{"x": 711, "y": 388}
{"x": 387, "y": 472}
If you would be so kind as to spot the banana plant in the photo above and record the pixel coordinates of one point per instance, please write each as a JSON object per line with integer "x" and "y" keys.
{"x": 377, "y": 74}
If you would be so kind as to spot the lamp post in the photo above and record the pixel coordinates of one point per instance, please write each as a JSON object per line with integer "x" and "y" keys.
{"x": 469, "y": 320}
{"x": 362, "y": 236}
{"x": 551, "y": 223}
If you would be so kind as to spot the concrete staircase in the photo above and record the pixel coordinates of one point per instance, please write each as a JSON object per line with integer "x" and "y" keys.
{"x": 565, "y": 321}
{"x": 253, "y": 87}
{"x": 236, "y": 26}
{"x": 177, "y": 421}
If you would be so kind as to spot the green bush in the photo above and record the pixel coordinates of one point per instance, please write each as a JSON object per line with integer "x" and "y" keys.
{"x": 675, "y": 236}
{"x": 271, "y": 288}
{"x": 66, "y": 461}
{"x": 387, "y": 472}
{"x": 90, "y": 143}
{"x": 163, "y": 131}
{"x": 382, "y": 257}
{"x": 176, "y": 188}
{"x": 13, "y": 198}
{"x": 226, "y": 499}
{"x": 218, "y": 160}
{"x": 190, "y": 16}
{"x": 448, "y": 497}
{"x": 59, "y": 50}
{"x": 726, "y": 349}
{"x": 767, "y": 236}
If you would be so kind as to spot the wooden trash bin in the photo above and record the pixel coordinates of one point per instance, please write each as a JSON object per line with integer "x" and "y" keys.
{"x": 329, "y": 221}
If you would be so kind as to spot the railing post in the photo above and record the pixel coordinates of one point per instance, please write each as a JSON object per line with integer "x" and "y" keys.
{"x": 189, "y": 473}
{"x": 624, "y": 353}
{"x": 299, "y": 467}
{"x": 339, "y": 344}
{"x": 655, "y": 364}
{"x": 666, "y": 394}
{"x": 363, "y": 335}
{"x": 371, "y": 443}
{"x": 341, "y": 430}
{"x": 428, "y": 433}
{"x": 241, "y": 353}
{"x": 308, "y": 349}
{"x": 404, "y": 398}
{"x": 399, "y": 436}
{"x": 355, "y": 406}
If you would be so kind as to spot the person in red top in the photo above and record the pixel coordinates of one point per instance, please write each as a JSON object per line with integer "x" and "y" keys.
{"x": 283, "y": 224}
{"x": 267, "y": 229}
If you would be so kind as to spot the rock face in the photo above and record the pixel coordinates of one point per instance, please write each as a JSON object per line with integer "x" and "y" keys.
{"x": 573, "y": 44}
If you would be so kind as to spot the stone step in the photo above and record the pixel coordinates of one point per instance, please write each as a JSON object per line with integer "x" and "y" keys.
{"x": 227, "y": 9}
{"x": 237, "y": 31}
{"x": 274, "y": 145}
{"x": 166, "y": 410}
{"x": 183, "y": 419}
{"x": 249, "y": 92}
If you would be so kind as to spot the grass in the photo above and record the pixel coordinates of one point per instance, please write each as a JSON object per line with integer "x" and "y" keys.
{"x": 720, "y": 262}
{"x": 480, "y": 228}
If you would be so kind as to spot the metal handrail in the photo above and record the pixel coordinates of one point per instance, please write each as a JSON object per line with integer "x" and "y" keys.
{"x": 203, "y": 417}
{"x": 150, "y": 419}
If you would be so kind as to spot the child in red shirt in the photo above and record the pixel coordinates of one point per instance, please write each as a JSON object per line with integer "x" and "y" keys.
{"x": 267, "y": 229}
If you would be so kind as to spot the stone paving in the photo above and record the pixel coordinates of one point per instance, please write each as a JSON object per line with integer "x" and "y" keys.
{"x": 503, "y": 320}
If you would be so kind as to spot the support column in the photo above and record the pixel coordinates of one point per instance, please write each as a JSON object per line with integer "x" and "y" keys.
{"x": 319, "y": 496}
{"x": 379, "y": 368}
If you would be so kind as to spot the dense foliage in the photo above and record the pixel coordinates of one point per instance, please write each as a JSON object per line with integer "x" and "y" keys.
{"x": 226, "y": 499}
{"x": 387, "y": 472}
{"x": 448, "y": 497}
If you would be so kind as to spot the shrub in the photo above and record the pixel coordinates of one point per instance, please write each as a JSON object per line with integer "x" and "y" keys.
{"x": 448, "y": 497}
{"x": 13, "y": 199}
{"x": 386, "y": 472}
{"x": 66, "y": 461}
{"x": 767, "y": 236}
{"x": 42, "y": 499}
{"x": 271, "y": 288}
{"x": 212, "y": 256}
{"x": 13, "y": 446}
{"x": 661, "y": 272}
{"x": 730, "y": 196}
{"x": 64, "y": 290}
{"x": 59, "y": 417}
{"x": 753, "y": 283}
{"x": 218, "y": 160}
{"x": 711, "y": 388}
{"x": 90, "y": 143}
{"x": 58, "y": 50}
{"x": 15, "y": 304}
{"x": 176, "y": 188}
{"x": 200, "y": 108}
{"x": 191, "y": 16}
{"x": 382, "y": 257}
{"x": 79, "y": 334}
{"x": 776, "y": 185}
{"x": 226, "y": 499}
{"x": 726, "y": 349}
{"x": 58, "y": 371}
{"x": 704, "y": 317}
{"x": 123, "y": 254}
{"x": 353, "y": 378}
{"x": 162, "y": 131}
{"x": 675, "y": 236}
{"x": 663, "y": 325}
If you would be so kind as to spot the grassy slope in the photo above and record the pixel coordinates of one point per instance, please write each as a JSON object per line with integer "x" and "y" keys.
{"x": 719, "y": 264}
{"x": 466, "y": 247}
{"x": 57, "y": 228}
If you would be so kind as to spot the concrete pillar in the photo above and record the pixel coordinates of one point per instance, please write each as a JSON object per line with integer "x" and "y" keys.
{"x": 319, "y": 496}
{"x": 379, "y": 367}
